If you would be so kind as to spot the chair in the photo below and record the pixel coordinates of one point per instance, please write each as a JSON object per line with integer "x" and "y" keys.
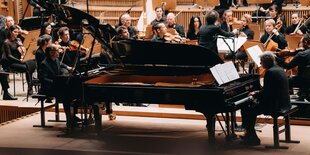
{"x": 287, "y": 129}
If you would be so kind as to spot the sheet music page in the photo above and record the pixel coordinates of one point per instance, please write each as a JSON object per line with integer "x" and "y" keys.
{"x": 254, "y": 53}
{"x": 230, "y": 70}
{"x": 216, "y": 76}
{"x": 221, "y": 73}
{"x": 222, "y": 46}
{"x": 224, "y": 73}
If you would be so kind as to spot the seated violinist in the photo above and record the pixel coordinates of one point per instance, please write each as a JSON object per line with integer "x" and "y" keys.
{"x": 159, "y": 30}
{"x": 68, "y": 56}
{"x": 271, "y": 33}
{"x": 122, "y": 32}
{"x": 227, "y": 21}
{"x": 245, "y": 31}
{"x": 297, "y": 26}
{"x": 171, "y": 23}
{"x": 302, "y": 60}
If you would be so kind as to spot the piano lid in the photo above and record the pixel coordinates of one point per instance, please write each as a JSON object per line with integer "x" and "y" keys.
{"x": 146, "y": 52}
{"x": 67, "y": 14}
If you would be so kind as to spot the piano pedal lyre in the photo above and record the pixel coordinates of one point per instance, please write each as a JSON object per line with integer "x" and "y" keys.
{"x": 112, "y": 117}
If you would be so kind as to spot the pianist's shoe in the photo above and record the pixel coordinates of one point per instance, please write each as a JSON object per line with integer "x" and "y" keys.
{"x": 250, "y": 140}
{"x": 8, "y": 96}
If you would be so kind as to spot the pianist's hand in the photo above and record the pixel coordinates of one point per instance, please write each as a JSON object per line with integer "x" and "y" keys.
{"x": 253, "y": 93}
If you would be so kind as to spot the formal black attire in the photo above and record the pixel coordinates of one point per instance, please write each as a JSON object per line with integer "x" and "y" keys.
{"x": 292, "y": 28}
{"x": 48, "y": 71}
{"x": 11, "y": 61}
{"x": 241, "y": 55}
{"x": 226, "y": 27}
{"x": 208, "y": 36}
{"x": 68, "y": 58}
{"x": 280, "y": 40}
{"x": 302, "y": 79}
{"x": 179, "y": 28}
{"x": 273, "y": 97}
{"x": 283, "y": 27}
{"x": 158, "y": 39}
{"x": 4, "y": 82}
{"x": 161, "y": 20}
{"x": 40, "y": 56}
{"x": 191, "y": 35}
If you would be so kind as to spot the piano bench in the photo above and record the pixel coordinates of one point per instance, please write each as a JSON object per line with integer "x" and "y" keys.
{"x": 41, "y": 98}
{"x": 287, "y": 129}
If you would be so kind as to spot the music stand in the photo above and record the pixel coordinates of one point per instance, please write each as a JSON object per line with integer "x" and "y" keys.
{"x": 293, "y": 40}
{"x": 166, "y": 4}
{"x": 304, "y": 2}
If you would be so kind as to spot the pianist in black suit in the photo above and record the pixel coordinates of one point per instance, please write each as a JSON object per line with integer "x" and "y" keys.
{"x": 208, "y": 33}
{"x": 50, "y": 68}
{"x": 273, "y": 97}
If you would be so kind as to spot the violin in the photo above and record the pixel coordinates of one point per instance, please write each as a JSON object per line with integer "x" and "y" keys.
{"x": 21, "y": 49}
{"x": 169, "y": 38}
{"x": 74, "y": 45}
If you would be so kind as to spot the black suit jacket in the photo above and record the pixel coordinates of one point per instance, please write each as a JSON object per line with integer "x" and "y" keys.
{"x": 48, "y": 71}
{"x": 207, "y": 36}
{"x": 274, "y": 95}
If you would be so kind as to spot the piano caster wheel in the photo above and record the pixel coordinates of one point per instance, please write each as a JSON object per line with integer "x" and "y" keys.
{"x": 112, "y": 117}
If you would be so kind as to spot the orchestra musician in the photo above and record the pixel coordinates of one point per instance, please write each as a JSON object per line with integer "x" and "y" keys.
{"x": 122, "y": 32}
{"x": 297, "y": 26}
{"x": 12, "y": 58}
{"x": 193, "y": 28}
{"x": 208, "y": 32}
{"x": 273, "y": 97}
{"x": 125, "y": 20}
{"x": 42, "y": 42}
{"x": 5, "y": 86}
{"x": 50, "y": 68}
{"x": 273, "y": 34}
{"x": 276, "y": 15}
{"x": 171, "y": 23}
{"x": 245, "y": 31}
{"x": 227, "y": 21}
{"x": 302, "y": 60}
{"x": 159, "y": 16}
{"x": 46, "y": 28}
{"x": 68, "y": 56}
{"x": 159, "y": 30}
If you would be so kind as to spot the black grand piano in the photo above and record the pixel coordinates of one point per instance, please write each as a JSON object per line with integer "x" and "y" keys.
{"x": 152, "y": 72}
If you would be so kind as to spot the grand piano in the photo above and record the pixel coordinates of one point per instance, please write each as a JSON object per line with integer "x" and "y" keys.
{"x": 155, "y": 73}
{"x": 151, "y": 72}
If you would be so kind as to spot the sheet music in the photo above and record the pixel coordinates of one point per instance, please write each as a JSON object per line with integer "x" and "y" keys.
{"x": 254, "y": 53}
{"x": 216, "y": 76}
{"x": 224, "y": 73}
{"x": 222, "y": 46}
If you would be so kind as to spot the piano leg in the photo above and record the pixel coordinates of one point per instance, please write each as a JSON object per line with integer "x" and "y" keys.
{"x": 98, "y": 118}
{"x": 210, "y": 127}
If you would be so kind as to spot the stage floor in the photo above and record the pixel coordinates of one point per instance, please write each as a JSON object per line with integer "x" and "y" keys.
{"x": 135, "y": 136}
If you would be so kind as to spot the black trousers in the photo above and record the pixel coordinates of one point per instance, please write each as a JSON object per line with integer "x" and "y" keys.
{"x": 28, "y": 67}
{"x": 4, "y": 82}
